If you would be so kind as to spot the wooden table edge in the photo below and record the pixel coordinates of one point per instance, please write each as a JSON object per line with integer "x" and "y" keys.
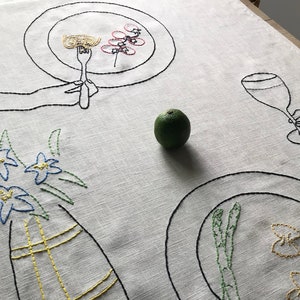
{"x": 271, "y": 22}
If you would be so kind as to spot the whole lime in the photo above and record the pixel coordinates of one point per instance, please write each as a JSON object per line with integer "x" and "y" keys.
{"x": 172, "y": 128}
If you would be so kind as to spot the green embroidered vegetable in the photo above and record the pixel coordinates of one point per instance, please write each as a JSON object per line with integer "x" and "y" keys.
{"x": 224, "y": 247}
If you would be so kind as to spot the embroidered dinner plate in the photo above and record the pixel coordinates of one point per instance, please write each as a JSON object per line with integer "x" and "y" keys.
{"x": 142, "y": 60}
{"x": 241, "y": 234}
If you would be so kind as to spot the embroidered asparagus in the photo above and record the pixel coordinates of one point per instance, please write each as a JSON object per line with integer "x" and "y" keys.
{"x": 224, "y": 247}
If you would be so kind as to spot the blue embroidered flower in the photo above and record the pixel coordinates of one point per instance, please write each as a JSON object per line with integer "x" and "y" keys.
{"x": 43, "y": 167}
{"x": 13, "y": 198}
{"x": 6, "y": 161}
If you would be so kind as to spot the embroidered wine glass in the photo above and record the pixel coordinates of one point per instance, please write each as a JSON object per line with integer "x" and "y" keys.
{"x": 271, "y": 90}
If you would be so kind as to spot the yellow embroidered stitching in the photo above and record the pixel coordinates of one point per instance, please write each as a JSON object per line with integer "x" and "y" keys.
{"x": 104, "y": 290}
{"x": 41, "y": 166}
{"x": 95, "y": 285}
{"x": 295, "y": 291}
{"x": 74, "y": 41}
{"x": 6, "y": 196}
{"x": 2, "y": 160}
{"x": 287, "y": 235}
{"x": 37, "y": 274}
{"x": 48, "y": 239}
{"x": 287, "y": 238}
{"x": 50, "y": 248}
{"x": 51, "y": 258}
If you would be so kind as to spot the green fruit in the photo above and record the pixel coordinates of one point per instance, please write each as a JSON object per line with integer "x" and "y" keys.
{"x": 172, "y": 129}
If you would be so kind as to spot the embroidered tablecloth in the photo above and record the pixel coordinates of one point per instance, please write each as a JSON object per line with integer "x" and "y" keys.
{"x": 92, "y": 207}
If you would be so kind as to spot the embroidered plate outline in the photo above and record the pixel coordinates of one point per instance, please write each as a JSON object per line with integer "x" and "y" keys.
{"x": 129, "y": 34}
{"x": 271, "y": 90}
{"x": 15, "y": 197}
{"x": 230, "y": 189}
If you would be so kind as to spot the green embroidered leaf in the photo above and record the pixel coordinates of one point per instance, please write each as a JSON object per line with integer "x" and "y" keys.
{"x": 53, "y": 142}
{"x": 39, "y": 210}
{"x": 72, "y": 178}
{"x": 5, "y": 142}
{"x": 57, "y": 193}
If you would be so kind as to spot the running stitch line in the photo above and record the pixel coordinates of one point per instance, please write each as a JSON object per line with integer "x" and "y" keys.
{"x": 224, "y": 248}
{"x": 48, "y": 239}
{"x": 36, "y": 270}
{"x": 296, "y": 290}
{"x": 286, "y": 239}
{"x": 51, "y": 258}
{"x": 184, "y": 199}
{"x": 44, "y": 214}
{"x": 287, "y": 235}
{"x": 95, "y": 285}
{"x": 56, "y": 143}
{"x": 105, "y": 290}
{"x": 50, "y": 248}
{"x": 5, "y": 133}
{"x": 79, "y": 181}
{"x": 99, "y": 247}
{"x": 11, "y": 262}
{"x": 66, "y": 199}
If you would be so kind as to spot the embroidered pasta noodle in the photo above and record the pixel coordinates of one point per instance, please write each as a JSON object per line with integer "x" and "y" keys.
{"x": 83, "y": 40}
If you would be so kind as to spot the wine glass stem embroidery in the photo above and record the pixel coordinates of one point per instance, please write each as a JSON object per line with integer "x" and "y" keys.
{"x": 269, "y": 89}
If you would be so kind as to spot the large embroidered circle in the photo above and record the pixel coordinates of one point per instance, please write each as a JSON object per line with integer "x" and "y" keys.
{"x": 153, "y": 52}
{"x": 234, "y": 233}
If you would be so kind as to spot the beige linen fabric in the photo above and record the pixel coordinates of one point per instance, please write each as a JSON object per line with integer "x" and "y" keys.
{"x": 119, "y": 226}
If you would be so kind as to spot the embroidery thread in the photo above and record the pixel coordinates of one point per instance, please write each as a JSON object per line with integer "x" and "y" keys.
{"x": 53, "y": 142}
{"x": 80, "y": 40}
{"x": 36, "y": 270}
{"x": 118, "y": 44}
{"x": 224, "y": 247}
{"x": 228, "y": 188}
{"x": 286, "y": 245}
{"x": 271, "y": 90}
{"x": 6, "y": 161}
{"x": 15, "y": 198}
{"x": 45, "y": 247}
{"x": 161, "y": 45}
{"x": 43, "y": 167}
{"x": 295, "y": 292}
